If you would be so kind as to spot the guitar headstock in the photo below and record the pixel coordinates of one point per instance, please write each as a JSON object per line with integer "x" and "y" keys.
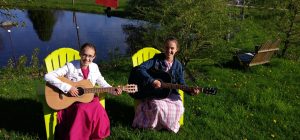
{"x": 210, "y": 90}
{"x": 130, "y": 88}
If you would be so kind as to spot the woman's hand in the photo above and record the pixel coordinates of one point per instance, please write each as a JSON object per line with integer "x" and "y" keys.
{"x": 156, "y": 84}
{"x": 195, "y": 91}
{"x": 73, "y": 92}
{"x": 117, "y": 91}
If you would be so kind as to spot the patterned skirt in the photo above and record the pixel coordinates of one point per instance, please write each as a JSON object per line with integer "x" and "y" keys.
{"x": 159, "y": 114}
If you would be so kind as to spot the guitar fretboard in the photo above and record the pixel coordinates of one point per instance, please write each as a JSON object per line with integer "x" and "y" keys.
{"x": 131, "y": 88}
{"x": 177, "y": 86}
{"x": 99, "y": 90}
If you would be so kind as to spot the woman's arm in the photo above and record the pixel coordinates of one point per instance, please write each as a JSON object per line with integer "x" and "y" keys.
{"x": 193, "y": 91}
{"x": 103, "y": 83}
{"x": 143, "y": 68}
{"x": 52, "y": 78}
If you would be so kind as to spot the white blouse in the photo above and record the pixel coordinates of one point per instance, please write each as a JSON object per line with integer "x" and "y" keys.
{"x": 73, "y": 72}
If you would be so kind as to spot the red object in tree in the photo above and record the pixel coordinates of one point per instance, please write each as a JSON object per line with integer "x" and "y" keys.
{"x": 108, "y": 3}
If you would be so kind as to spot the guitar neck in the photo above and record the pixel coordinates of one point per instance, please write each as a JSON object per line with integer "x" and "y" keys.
{"x": 98, "y": 90}
{"x": 177, "y": 86}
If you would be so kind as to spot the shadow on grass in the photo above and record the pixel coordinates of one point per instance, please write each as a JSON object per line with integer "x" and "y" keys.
{"x": 119, "y": 113}
{"x": 24, "y": 116}
{"x": 232, "y": 64}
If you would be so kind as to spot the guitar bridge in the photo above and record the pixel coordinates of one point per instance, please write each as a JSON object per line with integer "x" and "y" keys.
{"x": 61, "y": 96}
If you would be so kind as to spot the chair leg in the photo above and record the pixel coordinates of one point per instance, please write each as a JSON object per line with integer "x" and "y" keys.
{"x": 50, "y": 123}
{"x": 181, "y": 120}
{"x": 182, "y": 99}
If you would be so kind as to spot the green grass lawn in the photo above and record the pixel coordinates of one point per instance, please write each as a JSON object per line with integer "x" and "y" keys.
{"x": 259, "y": 103}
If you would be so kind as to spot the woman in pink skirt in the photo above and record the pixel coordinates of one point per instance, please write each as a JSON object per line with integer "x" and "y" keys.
{"x": 81, "y": 121}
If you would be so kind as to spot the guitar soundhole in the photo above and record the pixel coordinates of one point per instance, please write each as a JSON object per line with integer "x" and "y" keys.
{"x": 80, "y": 90}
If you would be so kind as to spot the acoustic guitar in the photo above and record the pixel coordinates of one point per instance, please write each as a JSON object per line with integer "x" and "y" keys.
{"x": 57, "y": 100}
{"x": 146, "y": 91}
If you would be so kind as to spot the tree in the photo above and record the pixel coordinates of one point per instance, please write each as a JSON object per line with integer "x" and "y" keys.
{"x": 43, "y": 22}
{"x": 198, "y": 24}
{"x": 290, "y": 23}
{"x": 286, "y": 19}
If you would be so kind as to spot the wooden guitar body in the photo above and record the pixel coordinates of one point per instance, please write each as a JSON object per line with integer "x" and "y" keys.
{"x": 58, "y": 100}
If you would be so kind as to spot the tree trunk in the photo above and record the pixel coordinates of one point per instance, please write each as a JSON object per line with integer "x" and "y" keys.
{"x": 242, "y": 14}
{"x": 288, "y": 34}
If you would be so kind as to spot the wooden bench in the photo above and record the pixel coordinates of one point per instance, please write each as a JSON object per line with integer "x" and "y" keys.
{"x": 261, "y": 56}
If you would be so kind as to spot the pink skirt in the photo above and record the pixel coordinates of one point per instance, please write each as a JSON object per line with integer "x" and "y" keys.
{"x": 83, "y": 121}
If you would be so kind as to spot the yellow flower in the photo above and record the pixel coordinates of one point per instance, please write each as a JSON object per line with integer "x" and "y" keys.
{"x": 274, "y": 121}
{"x": 273, "y": 135}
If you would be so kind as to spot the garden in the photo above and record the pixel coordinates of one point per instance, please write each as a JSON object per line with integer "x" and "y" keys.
{"x": 257, "y": 102}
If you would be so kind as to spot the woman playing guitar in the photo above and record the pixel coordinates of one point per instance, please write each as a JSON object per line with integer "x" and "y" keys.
{"x": 81, "y": 120}
{"x": 162, "y": 113}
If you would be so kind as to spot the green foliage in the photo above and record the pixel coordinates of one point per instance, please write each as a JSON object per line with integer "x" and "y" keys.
{"x": 21, "y": 67}
{"x": 4, "y": 135}
{"x": 290, "y": 25}
{"x": 248, "y": 34}
{"x": 34, "y": 63}
{"x": 281, "y": 20}
{"x": 197, "y": 24}
{"x": 135, "y": 37}
{"x": 115, "y": 60}
{"x": 203, "y": 27}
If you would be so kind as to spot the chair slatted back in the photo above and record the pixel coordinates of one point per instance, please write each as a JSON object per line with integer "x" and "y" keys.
{"x": 143, "y": 55}
{"x": 265, "y": 53}
{"x": 60, "y": 57}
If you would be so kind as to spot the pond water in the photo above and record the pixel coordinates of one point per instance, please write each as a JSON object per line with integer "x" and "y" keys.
{"x": 49, "y": 30}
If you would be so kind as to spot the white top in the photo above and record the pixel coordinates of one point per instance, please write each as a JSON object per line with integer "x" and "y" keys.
{"x": 73, "y": 72}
